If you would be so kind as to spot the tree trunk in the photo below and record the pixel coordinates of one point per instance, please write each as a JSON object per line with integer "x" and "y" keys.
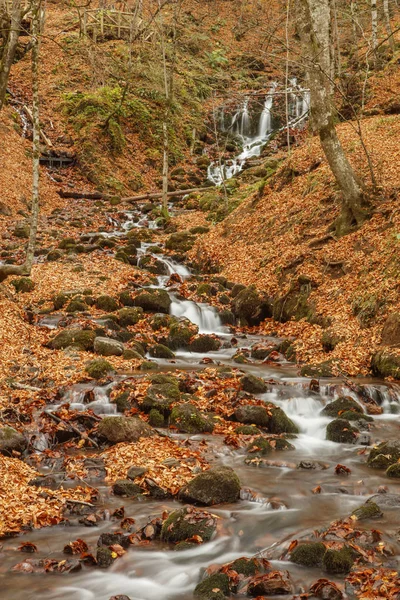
{"x": 388, "y": 25}
{"x": 315, "y": 18}
{"x": 10, "y": 48}
{"x": 26, "y": 268}
{"x": 374, "y": 24}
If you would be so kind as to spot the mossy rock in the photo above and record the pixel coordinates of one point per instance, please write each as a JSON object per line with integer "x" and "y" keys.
{"x": 123, "y": 429}
{"x": 22, "y": 231}
{"x": 204, "y": 289}
{"x": 108, "y": 347}
{"x": 183, "y": 524}
{"x": 391, "y": 330}
{"x": 337, "y": 562}
{"x": 82, "y": 339}
{"x": 67, "y": 243}
{"x": 157, "y": 301}
{"x": 182, "y": 242}
{"x": 341, "y": 432}
{"x": 385, "y": 454}
{"x": 153, "y": 265}
{"x": 77, "y": 305}
{"x": 216, "y": 486}
{"x": 163, "y": 379}
{"x": 247, "y": 430}
{"x": 385, "y": 363}
{"x": 215, "y": 587}
{"x": 60, "y": 301}
{"x": 199, "y": 229}
{"x": 23, "y": 284}
{"x": 253, "y": 385}
{"x": 122, "y": 401}
{"x": 350, "y": 415}
{"x": 259, "y": 447}
{"x": 125, "y": 298}
{"x": 324, "y": 369}
{"x": 188, "y": 419}
{"x": 394, "y": 471}
{"x": 126, "y": 487}
{"x": 341, "y": 405}
{"x": 54, "y": 255}
{"x": 104, "y": 557}
{"x": 156, "y": 419}
{"x": 98, "y": 368}
{"x": 248, "y": 306}
{"x": 159, "y": 321}
{"x": 161, "y": 351}
{"x": 130, "y": 354}
{"x": 330, "y": 340}
{"x": 204, "y": 343}
{"x": 180, "y": 334}
{"x": 238, "y": 287}
{"x": 308, "y": 555}
{"x": 11, "y": 441}
{"x": 161, "y": 397}
{"x": 107, "y": 303}
{"x": 254, "y": 415}
{"x": 129, "y": 316}
{"x": 367, "y": 511}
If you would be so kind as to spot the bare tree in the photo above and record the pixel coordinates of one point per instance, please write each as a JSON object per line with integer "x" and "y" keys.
{"x": 26, "y": 267}
{"x": 315, "y": 19}
{"x": 374, "y": 24}
{"x": 9, "y": 47}
{"x": 388, "y": 25}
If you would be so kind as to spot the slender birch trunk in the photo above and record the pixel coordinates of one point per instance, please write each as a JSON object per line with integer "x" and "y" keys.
{"x": 10, "y": 48}
{"x": 315, "y": 18}
{"x": 388, "y": 25}
{"x": 374, "y": 24}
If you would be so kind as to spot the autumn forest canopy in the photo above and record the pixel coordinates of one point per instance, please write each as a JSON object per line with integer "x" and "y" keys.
{"x": 199, "y": 299}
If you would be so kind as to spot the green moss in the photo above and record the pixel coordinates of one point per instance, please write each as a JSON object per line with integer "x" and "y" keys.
{"x": 79, "y": 338}
{"x": 341, "y": 431}
{"x": 156, "y": 419}
{"x": 215, "y": 587}
{"x": 204, "y": 289}
{"x": 341, "y": 405}
{"x": 54, "y": 255}
{"x": 77, "y": 305}
{"x": 386, "y": 363}
{"x": 394, "y": 471}
{"x": 161, "y": 351}
{"x": 98, "y": 368}
{"x": 253, "y": 385}
{"x": 280, "y": 422}
{"x": 107, "y": 303}
{"x": 126, "y": 487}
{"x": 182, "y": 241}
{"x": 367, "y": 511}
{"x": 185, "y": 523}
{"x": 247, "y": 430}
{"x": 204, "y": 343}
{"x": 23, "y": 284}
{"x": 338, "y": 561}
{"x": 308, "y": 555}
{"x": 260, "y": 446}
{"x": 349, "y": 415}
{"x": 122, "y": 401}
{"x": 60, "y": 301}
{"x": 129, "y": 316}
{"x": 385, "y": 454}
{"x": 188, "y": 419}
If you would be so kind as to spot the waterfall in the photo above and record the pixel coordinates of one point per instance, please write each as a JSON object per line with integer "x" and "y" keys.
{"x": 265, "y": 124}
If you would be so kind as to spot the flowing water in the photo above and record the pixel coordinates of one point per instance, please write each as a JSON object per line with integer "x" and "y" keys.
{"x": 255, "y": 130}
{"x": 283, "y": 506}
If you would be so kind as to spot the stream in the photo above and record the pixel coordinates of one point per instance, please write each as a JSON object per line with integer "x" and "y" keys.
{"x": 284, "y": 507}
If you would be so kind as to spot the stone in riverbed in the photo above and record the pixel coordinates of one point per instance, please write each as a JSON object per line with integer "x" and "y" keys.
{"x": 98, "y": 368}
{"x": 125, "y": 487}
{"x": 123, "y": 429}
{"x": 161, "y": 351}
{"x": 341, "y": 405}
{"x": 108, "y": 539}
{"x": 248, "y": 306}
{"x": 205, "y": 343}
{"x": 134, "y": 472}
{"x": 338, "y": 561}
{"x": 216, "y": 486}
{"x": 161, "y": 397}
{"x": 157, "y": 301}
{"x": 341, "y": 432}
{"x": 384, "y": 454}
{"x": 308, "y": 555}
{"x": 11, "y": 440}
{"x": 394, "y": 471}
{"x": 385, "y": 501}
{"x": 253, "y": 385}
{"x": 215, "y": 587}
{"x": 129, "y": 316}
{"x": 188, "y": 419}
{"x": 369, "y": 510}
{"x": 104, "y": 557}
{"x": 183, "y": 524}
{"x": 270, "y": 416}
{"x": 275, "y": 583}
{"x": 82, "y": 339}
{"x": 386, "y": 363}
{"x": 108, "y": 347}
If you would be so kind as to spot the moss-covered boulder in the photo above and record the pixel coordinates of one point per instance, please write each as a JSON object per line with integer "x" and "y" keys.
{"x": 161, "y": 396}
{"x": 54, "y": 255}
{"x": 341, "y": 405}
{"x": 180, "y": 242}
{"x": 180, "y": 333}
{"x": 342, "y": 432}
{"x": 76, "y": 305}
{"x": 394, "y": 471}
{"x": 248, "y": 306}
{"x": 161, "y": 351}
{"x": 157, "y": 301}
{"x": 385, "y": 454}
{"x": 82, "y": 339}
{"x": 23, "y": 284}
{"x": 367, "y": 511}
{"x": 98, "y": 368}
{"x": 253, "y": 385}
{"x": 216, "y": 486}
{"x": 183, "y": 524}
{"x": 386, "y": 363}
{"x": 274, "y": 583}
{"x": 280, "y": 422}
{"x": 322, "y": 369}
{"x": 22, "y": 230}
{"x": 107, "y": 303}
{"x": 126, "y": 487}
{"x": 11, "y": 441}
{"x": 309, "y": 554}
{"x": 188, "y": 419}
{"x": 156, "y": 419}
{"x": 153, "y": 265}
{"x": 104, "y": 557}
{"x": 260, "y": 446}
{"x": 108, "y": 347}
{"x": 129, "y": 316}
{"x": 160, "y": 321}
{"x": 270, "y": 416}
{"x": 336, "y": 562}
{"x": 247, "y": 430}
{"x": 215, "y": 587}
{"x": 205, "y": 343}
{"x": 123, "y": 429}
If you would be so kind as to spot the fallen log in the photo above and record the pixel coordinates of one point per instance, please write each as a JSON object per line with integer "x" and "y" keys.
{"x": 68, "y": 425}
{"x": 86, "y": 195}
{"x": 154, "y": 196}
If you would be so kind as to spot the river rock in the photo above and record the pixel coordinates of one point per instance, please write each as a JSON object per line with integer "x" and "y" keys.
{"x": 272, "y": 417}
{"x": 104, "y": 557}
{"x": 181, "y": 241}
{"x": 342, "y": 432}
{"x": 108, "y": 539}
{"x": 82, "y": 339}
{"x": 248, "y": 306}
{"x": 337, "y": 562}
{"x": 385, "y": 501}
{"x": 107, "y": 303}
{"x": 205, "y": 343}
{"x": 126, "y": 487}
{"x": 161, "y": 351}
{"x": 180, "y": 333}
{"x": 98, "y": 368}
{"x": 216, "y": 486}
{"x": 369, "y": 510}
{"x": 123, "y": 429}
{"x": 157, "y": 301}
{"x": 161, "y": 396}
{"x": 385, "y": 454}
{"x": 129, "y": 316}
{"x": 341, "y": 405}
{"x": 275, "y": 583}
{"x": 386, "y": 363}
{"x": 108, "y": 347}
{"x": 183, "y": 524}
{"x": 135, "y": 471}
{"x": 308, "y": 554}
{"x": 253, "y": 385}
{"x": 215, "y": 587}
{"x": 11, "y": 440}
{"x": 188, "y": 419}
{"x": 391, "y": 330}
